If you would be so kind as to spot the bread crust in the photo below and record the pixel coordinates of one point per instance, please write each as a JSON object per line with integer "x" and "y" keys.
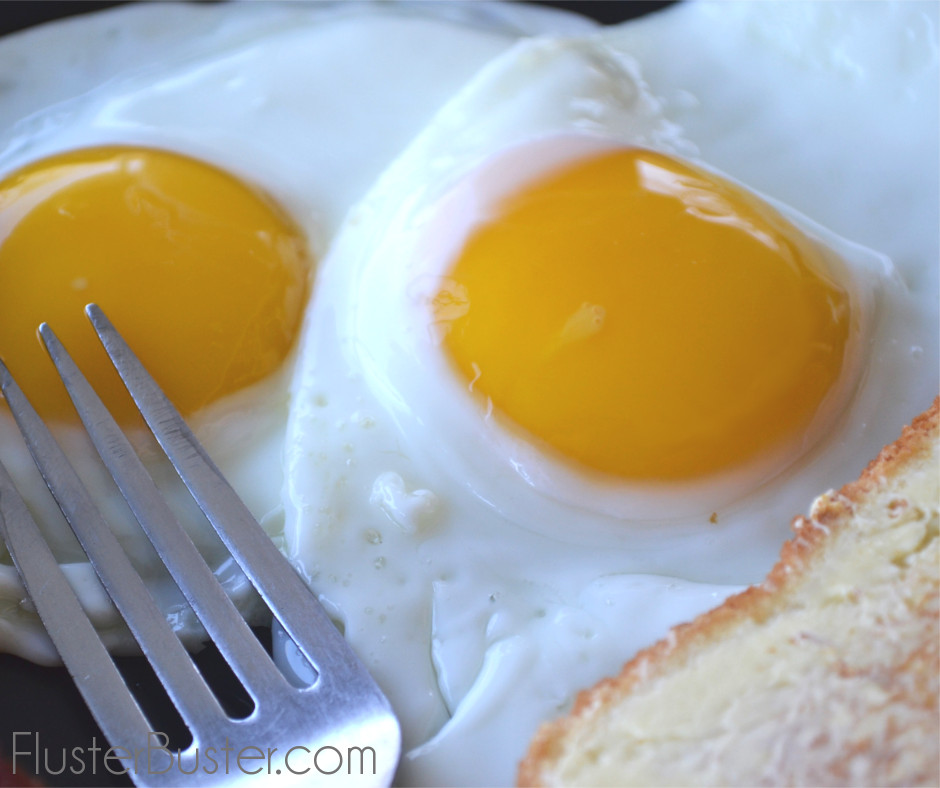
{"x": 831, "y": 514}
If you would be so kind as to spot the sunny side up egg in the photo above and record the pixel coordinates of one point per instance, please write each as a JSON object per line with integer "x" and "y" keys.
{"x": 491, "y": 544}
{"x": 484, "y": 566}
{"x": 186, "y": 168}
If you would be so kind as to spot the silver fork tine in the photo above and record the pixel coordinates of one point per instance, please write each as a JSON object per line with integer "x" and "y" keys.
{"x": 285, "y": 593}
{"x": 74, "y": 637}
{"x": 197, "y": 582}
{"x": 196, "y": 704}
{"x": 344, "y": 711}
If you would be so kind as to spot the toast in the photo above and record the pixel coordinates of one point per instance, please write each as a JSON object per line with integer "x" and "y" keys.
{"x": 827, "y": 673}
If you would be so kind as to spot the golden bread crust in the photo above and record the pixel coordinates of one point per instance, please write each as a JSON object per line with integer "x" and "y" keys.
{"x": 901, "y": 748}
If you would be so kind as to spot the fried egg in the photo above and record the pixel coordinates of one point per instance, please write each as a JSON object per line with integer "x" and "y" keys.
{"x": 504, "y": 460}
{"x": 188, "y": 176}
{"x": 569, "y": 373}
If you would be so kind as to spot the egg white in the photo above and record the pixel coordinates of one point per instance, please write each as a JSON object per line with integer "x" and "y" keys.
{"x": 397, "y": 282}
{"x": 306, "y": 102}
{"x": 479, "y": 600}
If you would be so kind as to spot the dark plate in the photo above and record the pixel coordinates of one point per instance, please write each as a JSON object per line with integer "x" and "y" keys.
{"x": 40, "y": 704}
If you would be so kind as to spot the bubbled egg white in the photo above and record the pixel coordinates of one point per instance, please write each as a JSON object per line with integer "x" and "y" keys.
{"x": 482, "y": 583}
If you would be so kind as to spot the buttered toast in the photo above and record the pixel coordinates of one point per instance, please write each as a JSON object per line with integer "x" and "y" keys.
{"x": 828, "y": 673}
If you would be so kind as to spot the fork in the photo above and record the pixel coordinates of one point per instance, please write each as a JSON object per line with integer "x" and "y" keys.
{"x": 340, "y": 729}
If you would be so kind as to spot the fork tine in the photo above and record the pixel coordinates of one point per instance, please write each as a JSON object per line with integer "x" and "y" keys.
{"x": 285, "y": 593}
{"x": 343, "y": 709}
{"x": 73, "y": 634}
{"x": 195, "y": 579}
{"x": 196, "y": 704}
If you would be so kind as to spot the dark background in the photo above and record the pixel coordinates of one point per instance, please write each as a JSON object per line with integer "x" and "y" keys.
{"x": 19, "y": 14}
{"x": 43, "y": 700}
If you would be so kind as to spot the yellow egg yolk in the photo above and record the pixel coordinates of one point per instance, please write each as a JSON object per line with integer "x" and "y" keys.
{"x": 204, "y": 276}
{"x": 645, "y": 318}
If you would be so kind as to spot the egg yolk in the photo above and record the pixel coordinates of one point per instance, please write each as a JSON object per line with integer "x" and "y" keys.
{"x": 204, "y": 276}
{"x": 645, "y": 318}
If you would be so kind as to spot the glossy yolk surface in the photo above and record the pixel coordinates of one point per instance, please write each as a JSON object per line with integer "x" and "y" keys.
{"x": 646, "y": 319}
{"x": 204, "y": 276}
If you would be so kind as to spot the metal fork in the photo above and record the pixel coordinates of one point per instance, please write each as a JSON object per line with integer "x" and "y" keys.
{"x": 339, "y": 730}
